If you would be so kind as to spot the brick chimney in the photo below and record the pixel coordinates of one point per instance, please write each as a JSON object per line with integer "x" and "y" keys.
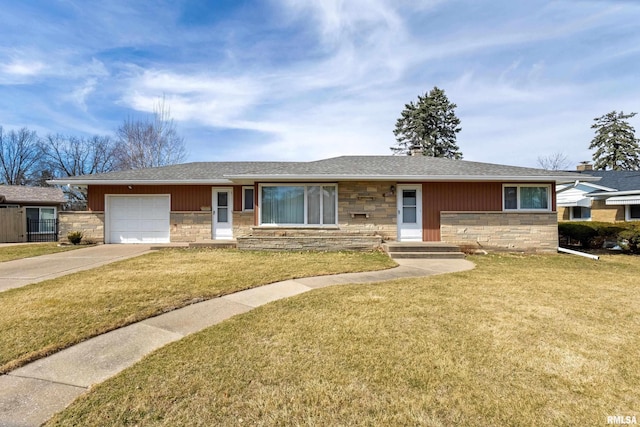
{"x": 585, "y": 166}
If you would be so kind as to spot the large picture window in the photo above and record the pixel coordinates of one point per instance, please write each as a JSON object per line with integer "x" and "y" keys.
{"x": 527, "y": 197}
{"x": 298, "y": 204}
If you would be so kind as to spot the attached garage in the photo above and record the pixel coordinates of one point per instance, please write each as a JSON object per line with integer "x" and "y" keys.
{"x": 137, "y": 219}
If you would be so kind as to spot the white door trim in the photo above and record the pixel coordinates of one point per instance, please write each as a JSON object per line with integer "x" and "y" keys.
{"x": 409, "y": 232}
{"x": 221, "y": 231}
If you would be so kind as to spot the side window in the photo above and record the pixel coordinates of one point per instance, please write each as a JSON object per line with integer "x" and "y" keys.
{"x": 247, "y": 198}
{"x": 634, "y": 213}
{"x": 526, "y": 197}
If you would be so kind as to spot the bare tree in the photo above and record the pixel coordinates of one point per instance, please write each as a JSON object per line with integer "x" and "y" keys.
{"x": 554, "y": 162}
{"x": 63, "y": 156}
{"x": 73, "y": 156}
{"x": 151, "y": 142}
{"x": 18, "y": 156}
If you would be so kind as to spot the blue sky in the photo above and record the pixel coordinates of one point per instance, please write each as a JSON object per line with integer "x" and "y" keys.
{"x": 310, "y": 79}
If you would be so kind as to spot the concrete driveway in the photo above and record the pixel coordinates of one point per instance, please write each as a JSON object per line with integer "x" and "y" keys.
{"x": 21, "y": 272}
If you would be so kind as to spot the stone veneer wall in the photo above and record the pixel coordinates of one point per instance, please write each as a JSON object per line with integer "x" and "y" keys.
{"x": 531, "y": 232}
{"x": 351, "y": 242}
{"x": 196, "y": 226}
{"x": 190, "y": 226}
{"x": 184, "y": 226}
{"x": 242, "y": 223}
{"x": 356, "y": 200}
{"x": 90, "y": 223}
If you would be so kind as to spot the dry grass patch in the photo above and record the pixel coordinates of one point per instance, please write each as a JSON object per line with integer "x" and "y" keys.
{"x": 521, "y": 340}
{"x": 9, "y": 253}
{"x": 43, "y": 318}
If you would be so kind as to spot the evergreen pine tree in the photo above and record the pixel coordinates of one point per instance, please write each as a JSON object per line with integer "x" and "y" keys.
{"x": 615, "y": 142}
{"x": 428, "y": 126}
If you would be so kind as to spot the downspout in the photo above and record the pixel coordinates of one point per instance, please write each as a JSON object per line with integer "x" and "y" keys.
{"x": 572, "y": 252}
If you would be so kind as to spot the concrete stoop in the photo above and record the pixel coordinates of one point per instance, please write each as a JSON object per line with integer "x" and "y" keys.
{"x": 216, "y": 244}
{"x": 423, "y": 250}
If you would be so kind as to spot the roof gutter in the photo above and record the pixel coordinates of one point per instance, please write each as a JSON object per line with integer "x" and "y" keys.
{"x": 81, "y": 182}
{"x": 231, "y": 179}
{"x": 616, "y": 193}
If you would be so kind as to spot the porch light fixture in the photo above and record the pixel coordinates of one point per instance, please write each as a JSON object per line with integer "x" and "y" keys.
{"x": 129, "y": 187}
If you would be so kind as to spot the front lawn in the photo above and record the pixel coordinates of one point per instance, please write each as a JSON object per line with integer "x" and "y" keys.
{"x": 9, "y": 253}
{"x": 520, "y": 340}
{"x": 42, "y": 318}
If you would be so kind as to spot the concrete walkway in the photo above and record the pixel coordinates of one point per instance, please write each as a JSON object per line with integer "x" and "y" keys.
{"x": 32, "y": 394}
{"x": 21, "y": 272}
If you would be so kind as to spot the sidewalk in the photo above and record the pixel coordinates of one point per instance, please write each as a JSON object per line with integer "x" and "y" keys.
{"x": 21, "y": 272}
{"x": 32, "y": 394}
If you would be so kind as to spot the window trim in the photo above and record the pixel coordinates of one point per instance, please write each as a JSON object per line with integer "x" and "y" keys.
{"x": 627, "y": 214}
{"x": 572, "y": 218}
{"x": 518, "y": 208}
{"x": 244, "y": 202}
{"x": 306, "y": 216}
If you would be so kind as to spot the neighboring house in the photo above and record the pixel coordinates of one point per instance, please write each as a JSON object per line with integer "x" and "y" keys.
{"x": 615, "y": 197}
{"x": 29, "y": 213}
{"x": 342, "y": 202}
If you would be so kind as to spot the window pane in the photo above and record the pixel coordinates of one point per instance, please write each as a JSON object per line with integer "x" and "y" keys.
{"x": 33, "y": 220}
{"x": 408, "y": 215}
{"x": 47, "y": 213}
{"x": 47, "y": 220}
{"x": 577, "y": 214}
{"x": 580, "y": 212}
{"x": 511, "y": 197}
{"x": 313, "y": 205}
{"x": 33, "y": 214}
{"x": 222, "y": 199}
{"x": 408, "y": 197}
{"x": 282, "y": 205}
{"x": 223, "y": 215}
{"x": 534, "y": 198}
{"x": 329, "y": 205}
{"x": 248, "y": 199}
{"x": 634, "y": 211}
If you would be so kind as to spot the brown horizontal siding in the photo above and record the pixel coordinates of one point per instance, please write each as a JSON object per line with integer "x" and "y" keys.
{"x": 183, "y": 197}
{"x": 456, "y": 196}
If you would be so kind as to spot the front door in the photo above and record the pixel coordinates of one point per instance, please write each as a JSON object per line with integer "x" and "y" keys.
{"x": 222, "y": 212}
{"x": 409, "y": 213}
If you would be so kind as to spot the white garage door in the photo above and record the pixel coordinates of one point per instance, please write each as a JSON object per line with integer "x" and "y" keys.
{"x": 138, "y": 219}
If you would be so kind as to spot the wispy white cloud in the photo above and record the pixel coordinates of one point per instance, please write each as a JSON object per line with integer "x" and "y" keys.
{"x": 22, "y": 68}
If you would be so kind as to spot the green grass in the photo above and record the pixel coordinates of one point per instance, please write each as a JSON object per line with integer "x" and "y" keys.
{"x": 9, "y": 253}
{"x": 40, "y": 319}
{"x": 520, "y": 340}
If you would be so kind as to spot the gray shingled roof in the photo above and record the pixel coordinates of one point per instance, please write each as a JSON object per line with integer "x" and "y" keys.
{"x": 31, "y": 195}
{"x": 620, "y": 180}
{"x": 418, "y": 167}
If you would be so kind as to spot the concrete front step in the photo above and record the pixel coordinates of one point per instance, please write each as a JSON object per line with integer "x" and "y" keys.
{"x": 216, "y": 244}
{"x": 427, "y": 255}
{"x": 421, "y": 247}
{"x": 426, "y": 250}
